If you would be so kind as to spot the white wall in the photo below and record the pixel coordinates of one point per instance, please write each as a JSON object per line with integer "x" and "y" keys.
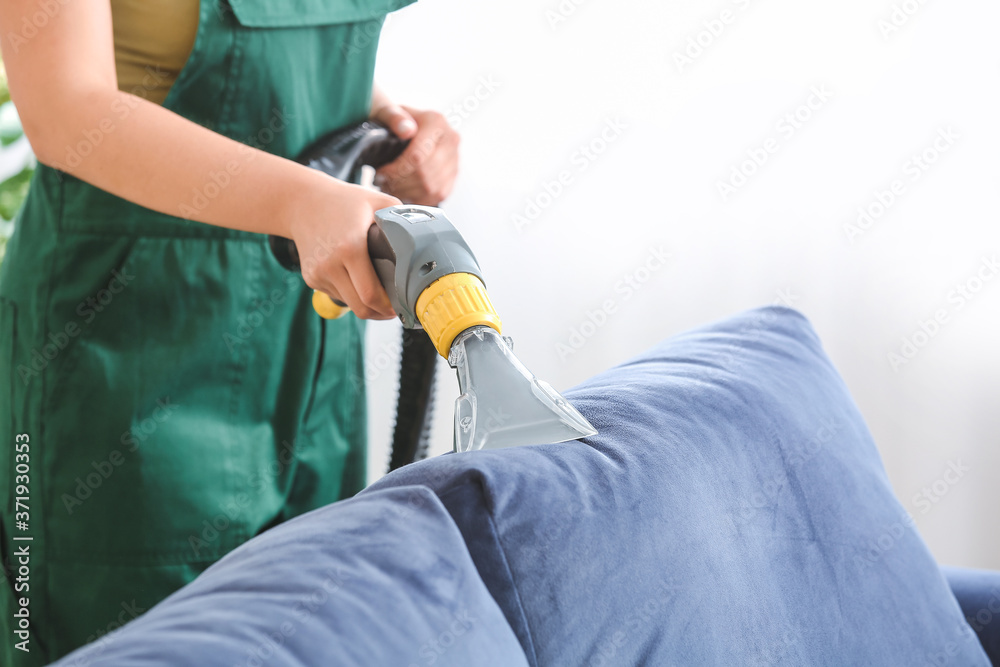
{"x": 781, "y": 233}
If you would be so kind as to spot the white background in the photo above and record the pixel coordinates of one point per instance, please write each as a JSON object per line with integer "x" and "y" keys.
{"x": 655, "y": 184}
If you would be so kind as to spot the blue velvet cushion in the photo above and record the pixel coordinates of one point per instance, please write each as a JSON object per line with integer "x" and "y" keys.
{"x": 383, "y": 580}
{"x": 733, "y": 510}
{"x": 978, "y": 593}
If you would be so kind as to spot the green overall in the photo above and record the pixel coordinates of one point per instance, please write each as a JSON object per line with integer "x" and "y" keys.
{"x": 176, "y": 391}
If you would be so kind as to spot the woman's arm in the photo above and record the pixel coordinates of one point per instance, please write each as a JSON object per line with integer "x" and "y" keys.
{"x": 63, "y": 82}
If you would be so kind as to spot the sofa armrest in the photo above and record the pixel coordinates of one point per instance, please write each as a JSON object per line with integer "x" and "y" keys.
{"x": 978, "y": 594}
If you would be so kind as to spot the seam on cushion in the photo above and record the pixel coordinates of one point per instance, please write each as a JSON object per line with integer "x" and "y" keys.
{"x": 517, "y": 590}
{"x": 530, "y": 653}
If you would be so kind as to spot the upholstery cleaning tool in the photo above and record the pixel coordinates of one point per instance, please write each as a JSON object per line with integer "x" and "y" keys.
{"x": 434, "y": 283}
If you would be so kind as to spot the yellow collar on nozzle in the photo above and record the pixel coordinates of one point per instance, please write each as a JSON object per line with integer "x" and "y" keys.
{"x": 450, "y": 305}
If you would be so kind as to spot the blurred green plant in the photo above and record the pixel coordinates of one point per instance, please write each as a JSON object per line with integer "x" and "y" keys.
{"x": 12, "y": 193}
{"x": 14, "y": 188}
{"x": 4, "y": 90}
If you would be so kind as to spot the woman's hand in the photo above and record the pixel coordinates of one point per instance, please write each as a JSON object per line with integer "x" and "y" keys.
{"x": 425, "y": 173}
{"x": 329, "y": 225}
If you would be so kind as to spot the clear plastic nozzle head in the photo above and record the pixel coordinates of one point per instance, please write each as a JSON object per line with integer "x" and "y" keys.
{"x": 501, "y": 403}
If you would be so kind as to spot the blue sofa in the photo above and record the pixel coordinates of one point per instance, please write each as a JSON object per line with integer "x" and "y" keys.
{"x": 732, "y": 510}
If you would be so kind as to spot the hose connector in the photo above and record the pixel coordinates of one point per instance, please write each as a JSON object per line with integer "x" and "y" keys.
{"x": 452, "y": 304}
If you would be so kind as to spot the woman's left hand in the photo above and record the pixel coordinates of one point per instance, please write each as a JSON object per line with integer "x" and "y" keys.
{"x": 425, "y": 173}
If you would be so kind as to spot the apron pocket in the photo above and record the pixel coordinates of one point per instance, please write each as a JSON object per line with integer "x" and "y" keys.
{"x": 145, "y": 420}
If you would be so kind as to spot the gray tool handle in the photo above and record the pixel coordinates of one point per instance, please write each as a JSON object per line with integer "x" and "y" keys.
{"x": 411, "y": 247}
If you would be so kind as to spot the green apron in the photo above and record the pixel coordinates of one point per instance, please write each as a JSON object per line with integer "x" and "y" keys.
{"x": 178, "y": 394}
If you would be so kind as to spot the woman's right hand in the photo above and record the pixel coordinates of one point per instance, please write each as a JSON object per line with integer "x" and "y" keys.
{"x": 330, "y": 229}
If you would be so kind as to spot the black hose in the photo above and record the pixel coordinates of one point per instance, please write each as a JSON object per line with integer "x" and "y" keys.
{"x": 342, "y": 154}
{"x": 412, "y": 433}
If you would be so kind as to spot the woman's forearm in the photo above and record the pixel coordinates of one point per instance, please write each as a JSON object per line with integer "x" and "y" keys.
{"x": 151, "y": 156}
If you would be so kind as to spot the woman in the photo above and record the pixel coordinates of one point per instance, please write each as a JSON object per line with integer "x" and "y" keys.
{"x": 176, "y": 391}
